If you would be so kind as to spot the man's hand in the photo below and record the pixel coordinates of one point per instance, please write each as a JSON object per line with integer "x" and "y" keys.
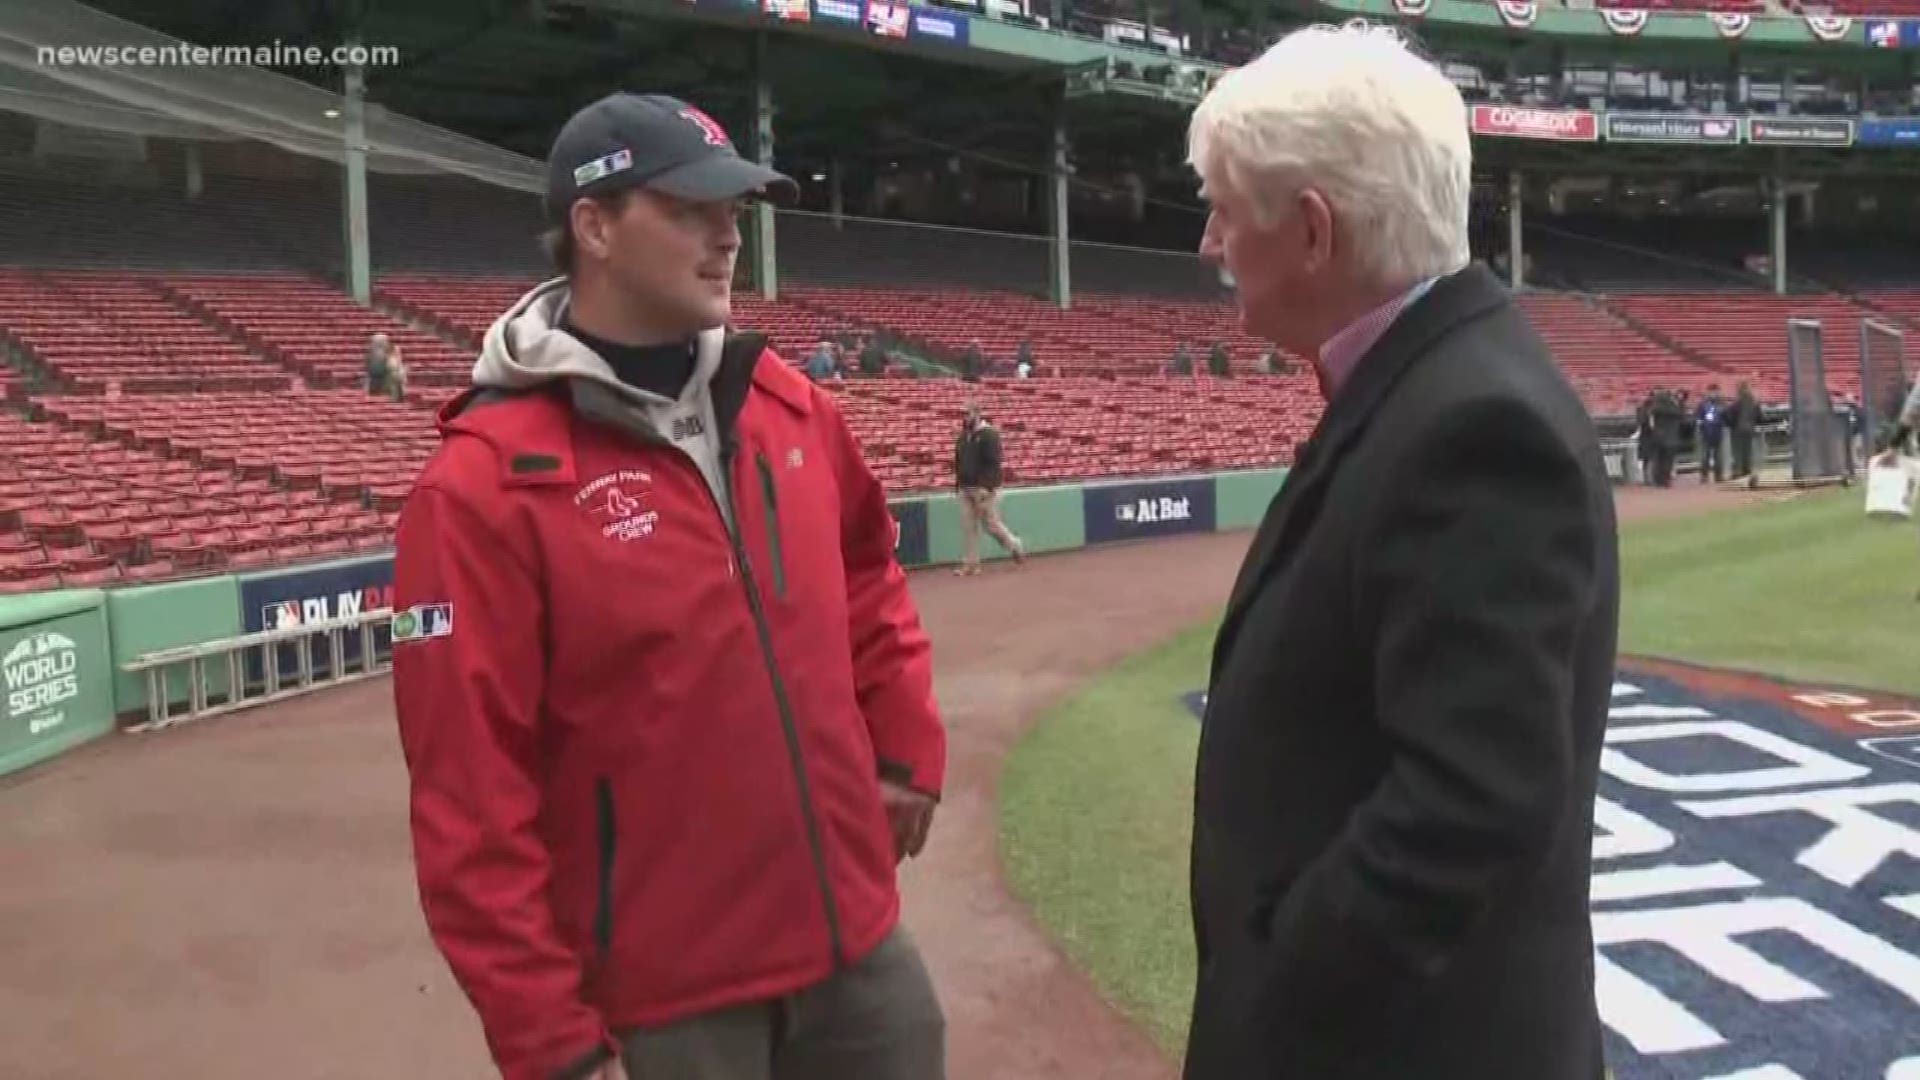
{"x": 612, "y": 1070}
{"x": 911, "y": 814}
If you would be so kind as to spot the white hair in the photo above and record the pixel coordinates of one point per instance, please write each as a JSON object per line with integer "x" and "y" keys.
{"x": 1354, "y": 113}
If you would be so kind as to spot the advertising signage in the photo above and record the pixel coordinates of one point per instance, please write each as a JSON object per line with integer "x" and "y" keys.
{"x": 1799, "y": 131}
{"x": 844, "y": 12}
{"x": 1673, "y": 128}
{"x": 1890, "y": 131}
{"x": 939, "y": 26}
{"x": 1893, "y": 33}
{"x": 1508, "y": 121}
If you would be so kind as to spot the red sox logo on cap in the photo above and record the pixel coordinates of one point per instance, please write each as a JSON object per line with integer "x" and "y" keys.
{"x": 710, "y": 128}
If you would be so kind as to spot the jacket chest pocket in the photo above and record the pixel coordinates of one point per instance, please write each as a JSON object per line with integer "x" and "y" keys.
{"x": 794, "y": 511}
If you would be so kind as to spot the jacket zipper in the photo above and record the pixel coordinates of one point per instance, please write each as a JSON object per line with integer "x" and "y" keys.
{"x": 603, "y": 908}
{"x": 774, "y": 545}
{"x": 788, "y": 726}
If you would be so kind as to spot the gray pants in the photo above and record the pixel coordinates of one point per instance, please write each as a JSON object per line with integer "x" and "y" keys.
{"x": 878, "y": 1020}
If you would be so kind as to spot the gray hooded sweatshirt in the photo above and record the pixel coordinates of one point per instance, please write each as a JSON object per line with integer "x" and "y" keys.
{"x": 526, "y": 348}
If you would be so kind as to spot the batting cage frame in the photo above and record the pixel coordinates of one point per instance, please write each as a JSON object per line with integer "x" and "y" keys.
{"x": 1822, "y": 445}
{"x": 1883, "y": 376}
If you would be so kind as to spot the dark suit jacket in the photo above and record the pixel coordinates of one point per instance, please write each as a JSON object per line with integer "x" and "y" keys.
{"x": 1394, "y": 798}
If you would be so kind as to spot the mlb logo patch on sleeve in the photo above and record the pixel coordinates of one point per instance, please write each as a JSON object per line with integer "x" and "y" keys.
{"x": 422, "y": 622}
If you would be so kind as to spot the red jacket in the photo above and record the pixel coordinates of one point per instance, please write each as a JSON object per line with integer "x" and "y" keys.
{"x": 644, "y": 760}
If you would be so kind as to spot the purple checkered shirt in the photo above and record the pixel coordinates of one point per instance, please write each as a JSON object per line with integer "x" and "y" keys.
{"x": 1342, "y": 352}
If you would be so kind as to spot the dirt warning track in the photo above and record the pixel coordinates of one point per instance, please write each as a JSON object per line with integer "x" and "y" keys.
{"x": 235, "y": 899}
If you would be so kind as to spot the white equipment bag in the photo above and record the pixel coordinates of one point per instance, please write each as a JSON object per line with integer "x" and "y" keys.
{"x": 1891, "y": 487}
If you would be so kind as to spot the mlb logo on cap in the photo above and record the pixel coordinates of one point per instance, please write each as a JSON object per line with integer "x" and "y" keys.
{"x": 593, "y": 170}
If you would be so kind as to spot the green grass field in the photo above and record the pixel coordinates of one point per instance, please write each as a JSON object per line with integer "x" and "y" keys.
{"x": 1095, "y": 804}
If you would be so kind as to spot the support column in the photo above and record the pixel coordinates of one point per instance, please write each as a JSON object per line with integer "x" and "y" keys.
{"x": 1516, "y": 255}
{"x": 196, "y": 173}
{"x": 354, "y": 162}
{"x": 1777, "y": 250}
{"x": 765, "y": 275}
{"x": 837, "y": 193}
{"x": 1059, "y": 271}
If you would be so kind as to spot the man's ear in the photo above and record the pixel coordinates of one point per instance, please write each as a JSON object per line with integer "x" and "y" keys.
{"x": 1317, "y": 231}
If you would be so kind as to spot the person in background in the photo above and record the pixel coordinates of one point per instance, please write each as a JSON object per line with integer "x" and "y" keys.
{"x": 1743, "y": 420}
{"x": 1709, "y": 425}
{"x": 873, "y": 357}
{"x": 379, "y": 352}
{"x": 1182, "y": 362}
{"x": 1394, "y": 790}
{"x": 821, "y": 365}
{"x": 398, "y": 374}
{"x": 1668, "y": 416}
{"x": 972, "y": 363}
{"x": 1023, "y": 358}
{"x": 978, "y": 458}
{"x": 665, "y": 700}
{"x": 1219, "y": 361}
{"x": 1903, "y": 436}
{"x": 1643, "y": 436}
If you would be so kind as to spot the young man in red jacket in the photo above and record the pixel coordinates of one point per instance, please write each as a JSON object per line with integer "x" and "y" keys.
{"x": 665, "y": 700}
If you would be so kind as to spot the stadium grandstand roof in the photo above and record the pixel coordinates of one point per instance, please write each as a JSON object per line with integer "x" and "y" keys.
{"x": 53, "y": 67}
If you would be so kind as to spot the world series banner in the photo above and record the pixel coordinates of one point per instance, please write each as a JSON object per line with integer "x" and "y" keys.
{"x": 1148, "y": 509}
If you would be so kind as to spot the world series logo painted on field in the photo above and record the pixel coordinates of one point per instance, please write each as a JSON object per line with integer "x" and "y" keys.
{"x": 1756, "y": 879}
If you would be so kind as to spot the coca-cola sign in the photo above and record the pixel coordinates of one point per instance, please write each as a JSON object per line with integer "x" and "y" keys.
{"x": 1514, "y": 122}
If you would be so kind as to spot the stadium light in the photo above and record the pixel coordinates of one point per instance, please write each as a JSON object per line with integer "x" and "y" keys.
{"x": 333, "y": 114}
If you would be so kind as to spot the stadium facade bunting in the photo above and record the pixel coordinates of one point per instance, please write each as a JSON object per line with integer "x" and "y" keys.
{"x": 1554, "y": 21}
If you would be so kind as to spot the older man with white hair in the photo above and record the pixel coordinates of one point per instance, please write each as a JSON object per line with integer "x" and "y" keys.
{"x": 1394, "y": 796}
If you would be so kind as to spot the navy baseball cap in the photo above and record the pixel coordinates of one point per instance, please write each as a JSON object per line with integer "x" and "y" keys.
{"x": 650, "y": 140}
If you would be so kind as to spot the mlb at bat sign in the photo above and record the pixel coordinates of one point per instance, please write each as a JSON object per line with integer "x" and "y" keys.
{"x": 289, "y": 599}
{"x": 1147, "y": 509}
{"x": 1756, "y": 885}
{"x": 1799, "y": 131}
{"x": 911, "y": 544}
{"x": 788, "y": 10}
{"x": 939, "y": 26}
{"x": 1672, "y": 128}
{"x": 1509, "y": 121}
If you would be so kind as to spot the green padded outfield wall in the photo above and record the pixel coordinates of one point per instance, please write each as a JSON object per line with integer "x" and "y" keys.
{"x": 155, "y": 617}
{"x": 56, "y": 675}
{"x": 1045, "y": 519}
{"x": 64, "y": 650}
{"x": 1242, "y": 497}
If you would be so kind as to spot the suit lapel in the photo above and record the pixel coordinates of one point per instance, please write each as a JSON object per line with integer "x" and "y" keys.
{"x": 1454, "y": 300}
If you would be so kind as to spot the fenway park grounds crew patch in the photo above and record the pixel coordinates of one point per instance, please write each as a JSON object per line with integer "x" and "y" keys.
{"x": 422, "y": 622}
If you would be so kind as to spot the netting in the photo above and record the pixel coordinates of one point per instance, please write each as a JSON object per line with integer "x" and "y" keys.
{"x": 1883, "y": 376}
{"x": 1819, "y": 434}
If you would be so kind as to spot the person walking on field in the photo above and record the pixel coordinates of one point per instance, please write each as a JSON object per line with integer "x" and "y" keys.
{"x": 977, "y": 468}
{"x": 1903, "y": 437}
{"x": 666, "y": 703}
